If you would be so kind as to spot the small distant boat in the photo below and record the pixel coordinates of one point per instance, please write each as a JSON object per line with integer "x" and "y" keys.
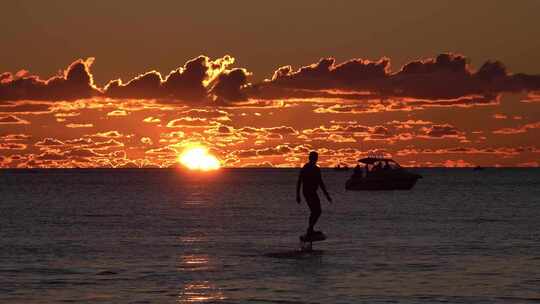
{"x": 478, "y": 168}
{"x": 341, "y": 167}
{"x": 380, "y": 174}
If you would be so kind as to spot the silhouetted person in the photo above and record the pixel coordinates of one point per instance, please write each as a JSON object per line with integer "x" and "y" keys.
{"x": 310, "y": 178}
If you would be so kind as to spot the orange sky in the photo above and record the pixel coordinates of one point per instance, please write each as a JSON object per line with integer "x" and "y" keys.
{"x": 430, "y": 84}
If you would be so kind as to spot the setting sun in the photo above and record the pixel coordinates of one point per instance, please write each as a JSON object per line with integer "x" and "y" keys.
{"x": 198, "y": 158}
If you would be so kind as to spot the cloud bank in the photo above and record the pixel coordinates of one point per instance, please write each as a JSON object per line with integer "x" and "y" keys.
{"x": 444, "y": 77}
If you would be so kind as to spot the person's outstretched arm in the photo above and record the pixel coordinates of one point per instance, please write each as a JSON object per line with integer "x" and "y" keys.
{"x": 298, "y": 184}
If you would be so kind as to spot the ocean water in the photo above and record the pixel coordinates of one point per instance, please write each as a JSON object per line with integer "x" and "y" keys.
{"x": 165, "y": 236}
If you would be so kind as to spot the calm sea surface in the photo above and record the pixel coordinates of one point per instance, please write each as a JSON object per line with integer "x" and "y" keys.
{"x": 162, "y": 236}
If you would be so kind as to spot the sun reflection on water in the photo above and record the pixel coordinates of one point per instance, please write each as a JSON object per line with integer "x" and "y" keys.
{"x": 194, "y": 262}
{"x": 199, "y": 292}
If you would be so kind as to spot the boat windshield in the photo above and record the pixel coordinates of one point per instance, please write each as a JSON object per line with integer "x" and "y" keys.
{"x": 383, "y": 165}
{"x": 393, "y": 164}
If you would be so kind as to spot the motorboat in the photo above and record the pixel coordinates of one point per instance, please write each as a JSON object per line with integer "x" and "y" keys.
{"x": 379, "y": 173}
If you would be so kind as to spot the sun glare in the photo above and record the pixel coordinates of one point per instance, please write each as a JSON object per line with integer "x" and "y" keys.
{"x": 198, "y": 158}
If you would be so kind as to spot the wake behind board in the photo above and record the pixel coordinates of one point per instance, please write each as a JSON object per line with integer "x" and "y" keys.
{"x": 295, "y": 254}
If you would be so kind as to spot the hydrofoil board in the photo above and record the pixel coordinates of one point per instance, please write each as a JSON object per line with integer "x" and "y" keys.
{"x": 314, "y": 237}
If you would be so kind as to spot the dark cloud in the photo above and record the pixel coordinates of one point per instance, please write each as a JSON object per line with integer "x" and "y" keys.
{"x": 448, "y": 76}
{"x": 51, "y": 156}
{"x": 500, "y": 151}
{"x": 518, "y": 130}
{"x": 264, "y": 164}
{"x": 12, "y": 146}
{"x": 22, "y": 107}
{"x": 445, "y": 78}
{"x": 463, "y": 102}
{"x": 185, "y": 83}
{"x": 270, "y": 151}
{"x": 207, "y": 113}
{"x": 163, "y": 152}
{"x": 49, "y": 142}
{"x": 189, "y": 122}
{"x": 405, "y": 104}
{"x": 441, "y": 131}
{"x": 229, "y": 84}
{"x": 391, "y": 132}
{"x": 340, "y": 138}
{"x": 106, "y": 145}
{"x": 145, "y": 86}
{"x": 224, "y": 130}
{"x": 76, "y": 82}
{"x": 444, "y": 81}
{"x": 108, "y": 134}
{"x": 283, "y": 130}
{"x": 81, "y": 153}
{"x": 14, "y": 137}
{"x": 327, "y": 75}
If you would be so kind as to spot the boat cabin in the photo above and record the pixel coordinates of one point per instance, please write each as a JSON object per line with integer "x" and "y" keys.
{"x": 375, "y": 164}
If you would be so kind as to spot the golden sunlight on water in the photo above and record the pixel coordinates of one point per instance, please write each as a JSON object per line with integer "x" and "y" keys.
{"x": 194, "y": 262}
{"x": 200, "y": 292}
{"x": 198, "y": 158}
{"x": 197, "y": 291}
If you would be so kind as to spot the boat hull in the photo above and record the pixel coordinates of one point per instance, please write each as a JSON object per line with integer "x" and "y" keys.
{"x": 378, "y": 184}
